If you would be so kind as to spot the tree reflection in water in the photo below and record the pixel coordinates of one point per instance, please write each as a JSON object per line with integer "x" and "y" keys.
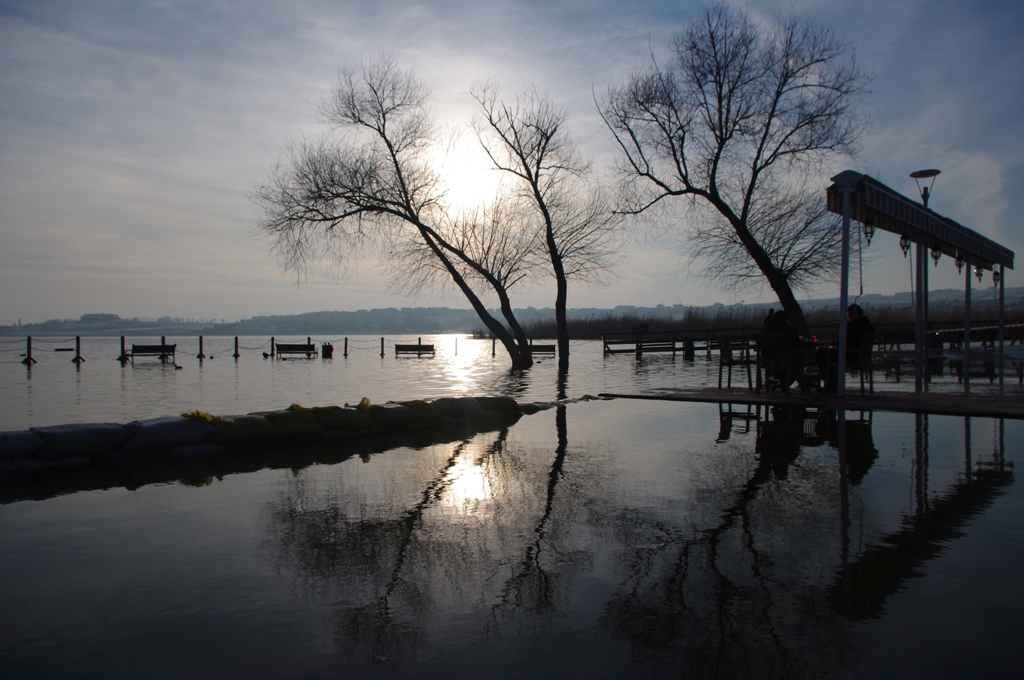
{"x": 744, "y": 569}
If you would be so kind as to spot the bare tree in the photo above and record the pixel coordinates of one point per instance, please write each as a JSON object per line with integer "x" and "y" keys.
{"x": 795, "y": 229}
{"x": 578, "y": 231}
{"x": 741, "y": 111}
{"x": 375, "y": 189}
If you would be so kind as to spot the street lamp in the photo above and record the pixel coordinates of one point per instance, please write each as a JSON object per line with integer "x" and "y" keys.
{"x": 979, "y": 272}
{"x": 936, "y": 256}
{"x": 905, "y": 244}
{"x": 960, "y": 261}
{"x": 925, "y": 191}
{"x": 995, "y": 277}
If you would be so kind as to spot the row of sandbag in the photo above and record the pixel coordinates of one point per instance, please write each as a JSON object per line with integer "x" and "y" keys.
{"x": 198, "y": 434}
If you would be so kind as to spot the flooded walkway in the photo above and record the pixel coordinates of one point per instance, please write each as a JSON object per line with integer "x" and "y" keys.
{"x": 974, "y": 405}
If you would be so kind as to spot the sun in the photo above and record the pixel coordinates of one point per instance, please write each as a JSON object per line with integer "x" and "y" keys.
{"x": 468, "y": 178}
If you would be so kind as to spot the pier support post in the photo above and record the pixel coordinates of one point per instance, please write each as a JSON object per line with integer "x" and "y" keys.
{"x": 163, "y": 341}
{"x": 124, "y": 355}
{"x": 967, "y": 327}
{"x": 236, "y": 354}
{"x": 382, "y": 347}
{"x": 28, "y": 361}
{"x": 494, "y": 342}
{"x": 346, "y": 347}
{"x": 78, "y": 351}
{"x": 200, "y": 356}
{"x": 272, "y": 346}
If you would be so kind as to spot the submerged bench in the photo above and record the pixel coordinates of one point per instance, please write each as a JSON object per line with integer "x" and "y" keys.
{"x": 162, "y": 351}
{"x": 416, "y": 349}
{"x": 308, "y": 350}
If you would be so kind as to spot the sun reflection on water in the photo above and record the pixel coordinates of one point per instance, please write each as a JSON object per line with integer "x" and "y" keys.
{"x": 467, "y": 483}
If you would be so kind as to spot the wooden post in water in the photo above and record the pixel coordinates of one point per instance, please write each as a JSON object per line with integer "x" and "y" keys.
{"x": 163, "y": 341}
{"x": 346, "y": 347}
{"x": 78, "y": 351}
{"x": 236, "y": 354}
{"x": 271, "y": 345}
{"x": 28, "y": 361}
{"x": 124, "y": 355}
{"x": 200, "y": 356}
{"x": 382, "y": 347}
{"x": 494, "y": 342}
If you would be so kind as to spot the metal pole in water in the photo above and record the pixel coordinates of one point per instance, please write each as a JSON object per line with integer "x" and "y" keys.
{"x": 236, "y": 354}
{"x": 456, "y": 347}
{"x": 200, "y": 356}
{"x": 382, "y": 347}
{"x": 271, "y": 345}
{"x": 78, "y": 350}
{"x": 28, "y": 352}
{"x": 346, "y": 347}
{"x": 124, "y": 357}
{"x": 493, "y": 343}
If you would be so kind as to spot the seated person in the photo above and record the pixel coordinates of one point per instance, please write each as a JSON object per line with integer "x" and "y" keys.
{"x": 779, "y": 323}
{"x": 857, "y": 326}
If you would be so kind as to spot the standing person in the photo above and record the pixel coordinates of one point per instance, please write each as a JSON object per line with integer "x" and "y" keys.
{"x": 768, "y": 322}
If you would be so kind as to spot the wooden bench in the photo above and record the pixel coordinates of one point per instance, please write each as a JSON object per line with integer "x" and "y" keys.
{"x": 542, "y": 349}
{"x": 162, "y": 351}
{"x": 309, "y": 350}
{"x": 416, "y": 349}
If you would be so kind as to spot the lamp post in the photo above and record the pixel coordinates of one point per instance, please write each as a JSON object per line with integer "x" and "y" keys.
{"x": 921, "y": 339}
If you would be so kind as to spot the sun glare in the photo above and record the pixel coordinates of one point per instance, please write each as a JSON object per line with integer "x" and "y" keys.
{"x": 467, "y": 482}
{"x": 468, "y": 178}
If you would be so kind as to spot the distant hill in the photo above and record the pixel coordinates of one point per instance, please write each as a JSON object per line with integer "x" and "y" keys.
{"x": 428, "y": 320}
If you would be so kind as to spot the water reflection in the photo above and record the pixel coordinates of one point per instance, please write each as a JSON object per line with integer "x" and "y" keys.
{"x": 746, "y": 570}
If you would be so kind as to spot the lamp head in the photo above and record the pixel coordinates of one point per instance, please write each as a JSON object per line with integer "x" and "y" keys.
{"x": 926, "y": 175}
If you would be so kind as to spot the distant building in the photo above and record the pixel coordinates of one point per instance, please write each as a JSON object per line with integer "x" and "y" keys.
{"x": 95, "y": 318}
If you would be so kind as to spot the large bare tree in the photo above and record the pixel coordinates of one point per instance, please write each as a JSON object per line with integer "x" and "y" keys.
{"x": 578, "y": 231}
{"x": 373, "y": 189}
{"x": 735, "y": 120}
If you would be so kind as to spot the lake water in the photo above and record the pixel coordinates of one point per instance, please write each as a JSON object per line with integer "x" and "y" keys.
{"x": 101, "y": 390}
{"x": 600, "y": 539}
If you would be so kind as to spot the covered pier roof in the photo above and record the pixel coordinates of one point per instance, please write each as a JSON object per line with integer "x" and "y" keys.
{"x": 871, "y": 202}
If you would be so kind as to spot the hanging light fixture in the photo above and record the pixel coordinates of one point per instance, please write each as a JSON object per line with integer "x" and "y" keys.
{"x": 905, "y": 244}
{"x": 995, "y": 277}
{"x": 869, "y": 230}
{"x": 960, "y": 261}
{"x": 936, "y": 256}
{"x": 979, "y": 272}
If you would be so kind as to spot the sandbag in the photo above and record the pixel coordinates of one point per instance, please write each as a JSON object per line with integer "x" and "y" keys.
{"x": 441, "y": 406}
{"x": 425, "y": 413}
{"x": 392, "y": 416}
{"x": 239, "y": 430}
{"x": 464, "y": 408}
{"x": 291, "y": 424}
{"x": 338, "y": 418}
{"x": 19, "y": 444}
{"x": 166, "y": 432}
{"x": 499, "y": 404}
{"x": 72, "y": 441}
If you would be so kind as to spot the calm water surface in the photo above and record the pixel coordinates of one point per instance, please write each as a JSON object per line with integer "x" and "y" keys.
{"x": 54, "y": 392}
{"x": 600, "y": 539}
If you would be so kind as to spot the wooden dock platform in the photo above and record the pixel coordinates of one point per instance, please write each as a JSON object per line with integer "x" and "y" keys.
{"x": 972, "y": 405}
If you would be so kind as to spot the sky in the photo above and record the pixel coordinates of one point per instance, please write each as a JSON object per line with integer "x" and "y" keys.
{"x": 132, "y": 135}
